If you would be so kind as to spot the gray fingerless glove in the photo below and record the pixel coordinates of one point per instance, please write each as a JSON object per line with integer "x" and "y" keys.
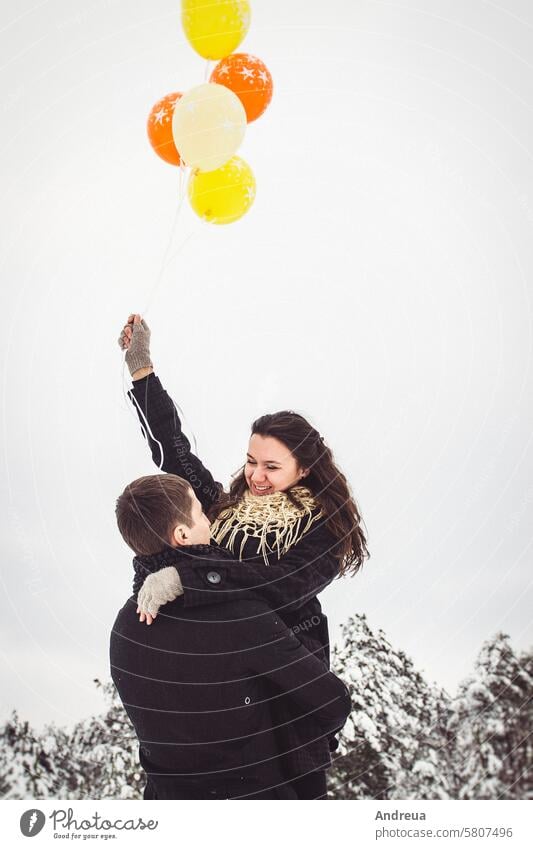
{"x": 138, "y": 354}
{"x": 158, "y": 588}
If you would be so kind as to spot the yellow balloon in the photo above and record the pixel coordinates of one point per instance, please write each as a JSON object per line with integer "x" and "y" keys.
{"x": 224, "y": 195}
{"x": 208, "y": 126}
{"x": 215, "y": 28}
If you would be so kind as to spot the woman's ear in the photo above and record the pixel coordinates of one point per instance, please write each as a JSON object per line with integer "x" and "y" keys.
{"x": 304, "y": 473}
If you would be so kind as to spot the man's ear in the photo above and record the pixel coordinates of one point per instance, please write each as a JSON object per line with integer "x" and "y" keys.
{"x": 180, "y": 535}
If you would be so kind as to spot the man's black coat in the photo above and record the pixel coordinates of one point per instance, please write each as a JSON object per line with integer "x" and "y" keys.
{"x": 200, "y": 687}
{"x": 288, "y": 586}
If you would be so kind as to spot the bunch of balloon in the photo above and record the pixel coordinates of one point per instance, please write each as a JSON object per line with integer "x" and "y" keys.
{"x": 203, "y": 128}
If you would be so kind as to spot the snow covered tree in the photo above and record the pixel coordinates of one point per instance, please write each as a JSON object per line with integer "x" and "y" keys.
{"x": 27, "y": 768}
{"x": 101, "y": 758}
{"x": 97, "y": 760}
{"x": 394, "y": 744}
{"x": 491, "y": 721}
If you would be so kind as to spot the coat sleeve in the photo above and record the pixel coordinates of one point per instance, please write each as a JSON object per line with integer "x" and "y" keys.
{"x": 305, "y": 570}
{"x": 310, "y": 690}
{"x": 171, "y": 450}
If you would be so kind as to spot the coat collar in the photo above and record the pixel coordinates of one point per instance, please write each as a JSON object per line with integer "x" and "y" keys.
{"x": 146, "y": 564}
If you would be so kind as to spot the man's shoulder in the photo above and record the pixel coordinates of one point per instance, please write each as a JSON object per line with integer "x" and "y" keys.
{"x": 229, "y": 626}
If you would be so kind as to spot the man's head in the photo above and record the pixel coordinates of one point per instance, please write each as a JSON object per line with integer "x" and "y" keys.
{"x": 160, "y": 510}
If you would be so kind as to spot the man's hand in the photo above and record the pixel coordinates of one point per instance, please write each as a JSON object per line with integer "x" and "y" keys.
{"x": 158, "y": 589}
{"x": 135, "y": 340}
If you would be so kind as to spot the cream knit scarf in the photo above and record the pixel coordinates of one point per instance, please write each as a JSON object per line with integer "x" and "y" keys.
{"x": 257, "y": 516}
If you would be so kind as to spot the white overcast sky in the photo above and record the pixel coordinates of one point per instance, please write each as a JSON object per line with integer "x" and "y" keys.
{"x": 380, "y": 284}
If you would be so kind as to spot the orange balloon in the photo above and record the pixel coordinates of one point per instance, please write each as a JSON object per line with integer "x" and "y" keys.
{"x": 159, "y": 127}
{"x": 248, "y": 78}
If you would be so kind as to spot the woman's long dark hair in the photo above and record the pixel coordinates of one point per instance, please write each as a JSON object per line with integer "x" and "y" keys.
{"x": 325, "y": 480}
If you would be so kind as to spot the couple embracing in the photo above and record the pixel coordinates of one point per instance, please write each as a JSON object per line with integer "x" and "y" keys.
{"x": 229, "y": 688}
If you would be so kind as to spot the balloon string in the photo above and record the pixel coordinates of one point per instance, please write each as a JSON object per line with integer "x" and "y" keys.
{"x": 155, "y": 287}
{"x": 164, "y": 263}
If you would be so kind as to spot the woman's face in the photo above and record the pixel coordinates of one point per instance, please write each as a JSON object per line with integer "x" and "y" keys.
{"x": 270, "y": 466}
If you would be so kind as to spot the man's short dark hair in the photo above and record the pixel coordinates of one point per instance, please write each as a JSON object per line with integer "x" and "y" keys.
{"x": 150, "y": 508}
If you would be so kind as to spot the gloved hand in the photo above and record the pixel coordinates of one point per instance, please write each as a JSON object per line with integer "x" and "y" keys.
{"x": 158, "y": 588}
{"x": 135, "y": 340}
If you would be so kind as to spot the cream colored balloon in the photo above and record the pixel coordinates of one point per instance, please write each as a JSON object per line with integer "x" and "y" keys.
{"x": 208, "y": 126}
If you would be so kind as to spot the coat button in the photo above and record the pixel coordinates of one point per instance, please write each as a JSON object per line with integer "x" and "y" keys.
{"x": 213, "y": 577}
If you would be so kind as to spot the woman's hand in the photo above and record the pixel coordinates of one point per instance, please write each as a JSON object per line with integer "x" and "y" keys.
{"x": 124, "y": 339}
{"x": 145, "y": 617}
{"x": 158, "y": 588}
{"x": 135, "y": 340}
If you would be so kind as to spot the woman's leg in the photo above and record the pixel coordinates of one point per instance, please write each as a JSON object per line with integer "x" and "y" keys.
{"x": 311, "y": 786}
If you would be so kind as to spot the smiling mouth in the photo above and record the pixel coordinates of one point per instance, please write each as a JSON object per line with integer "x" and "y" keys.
{"x": 260, "y": 489}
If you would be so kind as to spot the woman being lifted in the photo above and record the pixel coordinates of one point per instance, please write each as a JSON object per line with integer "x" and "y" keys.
{"x": 288, "y": 517}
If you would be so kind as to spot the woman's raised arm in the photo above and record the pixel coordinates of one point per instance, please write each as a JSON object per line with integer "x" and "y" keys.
{"x": 160, "y": 423}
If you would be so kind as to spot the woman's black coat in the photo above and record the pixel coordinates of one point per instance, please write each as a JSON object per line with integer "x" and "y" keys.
{"x": 288, "y": 586}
